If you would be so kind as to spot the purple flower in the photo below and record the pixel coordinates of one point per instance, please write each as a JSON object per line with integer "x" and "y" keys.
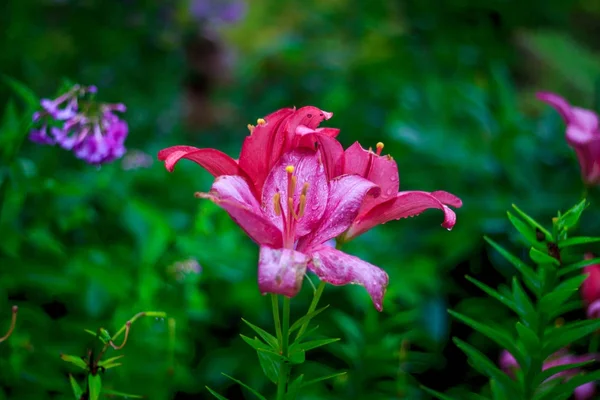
{"x": 225, "y": 11}
{"x": 77, "y": 123}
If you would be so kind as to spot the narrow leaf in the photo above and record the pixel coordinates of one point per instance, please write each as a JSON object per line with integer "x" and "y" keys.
{"x": 540, "y": 257}
{"x": 109, "y": 361}
{"x": 485, "y": 366}
{"x": 527, "y": 231}
{"x": 267, "y": 337}
{"x": 532, "y": 222}
{"x": 501, "y": 338}
{"x": 508, "y": 302}
{"x": 561, "y": 294}
{"x": 524, "y": 306}
{"x": 255, "y": 343}
{"x": 559, "y": 368}
{"x": 121, "y": 394}
{"x": 559, "y": 337}
{"x": 528, "y": 338}
{"x": 26, "y": 94}
{"x": 254, "y": 392}
{"x": 77, "y": 361}
{"x": 306, "y": 333}
{"x": 571, "y": 217}
{"x": 297, "y": 357}
{"x": 313, "y": 344}
{"x": 577, "y": 241}
{"x": 94, "y": 386}
{"x": 306, "y": 318}
{"x": 566, "y": 389}
{"x": 294, "y": 388}
{"x": 527, "y": 272}
{"x": 77, "y": 391}
{"x": 217, "y": 395}
{"x": 437, "y": 395}
{"x": 270, "y": 363}
{"x": 577, "y": 266}
{"x": 330, "y": 376}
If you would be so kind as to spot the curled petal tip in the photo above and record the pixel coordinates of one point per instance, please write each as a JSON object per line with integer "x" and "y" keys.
{"x": 328, "y": 115}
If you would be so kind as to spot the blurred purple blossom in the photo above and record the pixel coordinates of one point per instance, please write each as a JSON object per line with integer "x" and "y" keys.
{"x": 224, "y": 11}
{"x": 136, "y": 159}
{"x": 76, "y": 122}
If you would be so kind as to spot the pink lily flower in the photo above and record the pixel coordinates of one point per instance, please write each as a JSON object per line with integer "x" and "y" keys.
{"x": 562, "y": 357}
{"x": 297, "y": 214}
{"x": 391, "y": 204}
{"x": 590, "y": 289}
{"x": 273, "y": 136}
{"x": 583, "y": 135}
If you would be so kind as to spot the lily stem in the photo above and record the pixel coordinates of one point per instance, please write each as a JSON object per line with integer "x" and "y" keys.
{"x": 284, "y": 369}
{"x": 312, "y": 307}
{"x": 275, "y": 304}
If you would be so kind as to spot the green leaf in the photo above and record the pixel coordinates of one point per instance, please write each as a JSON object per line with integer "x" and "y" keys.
{"x": 437, "y": 395}
{"x": 297, "y": 357}
{"x": 306, "y": 333}
{"x": 526, "y": 230}
{"x": 539, "y": 257}
{"x": 26, "y": 94}
{"x": 254, "y": 392}
{"x": 571, "y": 217}
{"x": 77, "y": 361}
{"x": 330, "y": 376}
{"x": 294, "y": 388}
{"x": 527, "y": 272}
{"x": 313, "y": 344}
{"x": 217, "y": 395}
{"x": 528, "y": 338}
{"x": 577, "y": 241}
{"x": 524, "y": 306}
{"x": 533, "y": 223}
{"x": 110, "y": 362}
{"x": 306, "y": 318}
{"x": 565, "y": 389}
{"x": 541, "y": 377}
{"x": 121, "y": 394}
{"x": 577, "y": 266}
{"x": 508, "y": 302}
{"x": 270, "y": 363}
{"x": 95, "y": 334}
{"x": 77, "y": 391}
{"x": 485, "y": 366}
{"x": 501, "y": 338}
{"x": 559, "y": 337}
{"x": 256, "y": 343}
{"x": 267, "y": 337}
{"x": 565, "y": 308}
{"x": 94, "y": 386}
{"x": 561, "y": 294}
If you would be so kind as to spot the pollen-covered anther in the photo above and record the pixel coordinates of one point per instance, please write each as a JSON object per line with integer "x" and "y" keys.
{"x": 302, "y": 206}
{"x": 261, "y": 121}
{"x": 276, "y": 204}
{"x": 289, "y": 169}
{"x": 251, "y": 128}
{"x": 379, "y": 148}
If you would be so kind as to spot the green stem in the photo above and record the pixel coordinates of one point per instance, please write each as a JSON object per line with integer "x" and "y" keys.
{"x": 275, "y": 305}
{"x": 312, "y": 307}
{"x": 284, "y": 369}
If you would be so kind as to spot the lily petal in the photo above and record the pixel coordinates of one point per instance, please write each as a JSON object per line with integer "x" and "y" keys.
{"x": 308, "y": 116}
{"x": 307, "y": 170}
{"x": 281, "y": 271}
{"x": 339, "y": 268}
{"x": 233, "y": 194}
{"x": 382, "y": 170}
{"x": 332, "y": 155}
{"x": 447, "y": 198}
{"x": 264, "y": 146}
{"x": 405, "y": 204}
{"x": 214, "y": 161}
{"x": 346, "y": 195}
{"x": 582, "y": 124}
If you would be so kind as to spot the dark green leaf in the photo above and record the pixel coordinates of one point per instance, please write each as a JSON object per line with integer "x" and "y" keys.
{"x": 26, "y": 94}
{"x": 306, "y": 333}
{"x": 508, "y": 302}
{"x": 524, "y": 306}
{"x": 256, "y": 343}
{"x": 528, "y": 338}
{"x": 577, "y": 241}
{"x": 110, "y": 362}
{"x": 254, "y": 392}
{"x": 313, "y": 344}
{"x": 94, "y": 386}
{"x": 270, "y": 363}
{"x": 217, "y": 395}
{"x": 77, "y": 391}
{"x": 501, "y": 338}
{"x": 561, "y": 294}
{"x": 559, "y": 337}
{"x": 526, "y": 230}
{"x": 437, "y": 395}
{"x": 74, "y": 360}
{"x": 565, "y": 389}
{"x": 565, "y": 308}
{"x": 330, "y": 376}
{"x": 121, "y": 394}
{"x": 540, "y": 257}
{"x": 485, "y": 366}
{"x": 267, "y": 337}
{"x": 297, "y": 357}
{"x": 294, "y": 388}
{"x": 577, "y": 266}
{"x": 533, "y": 223}
{"x": 559, "y": 368}
{"x": 306, "y": 318}
{"x": 571, "y": 217}
{"x": 528, "y": 273}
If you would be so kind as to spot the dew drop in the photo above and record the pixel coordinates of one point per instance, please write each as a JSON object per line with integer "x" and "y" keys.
{"x": 393, "y": 178}
{"x": 389, "y": 192}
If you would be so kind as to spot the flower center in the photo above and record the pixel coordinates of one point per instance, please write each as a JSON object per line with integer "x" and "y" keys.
{"x": 294, "y": 213}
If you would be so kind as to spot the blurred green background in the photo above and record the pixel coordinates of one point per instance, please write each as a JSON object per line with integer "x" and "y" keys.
{"x": 448, "y": 86}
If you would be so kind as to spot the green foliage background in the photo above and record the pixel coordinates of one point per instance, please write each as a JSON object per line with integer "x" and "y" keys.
{"x": 447, "y": 87}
